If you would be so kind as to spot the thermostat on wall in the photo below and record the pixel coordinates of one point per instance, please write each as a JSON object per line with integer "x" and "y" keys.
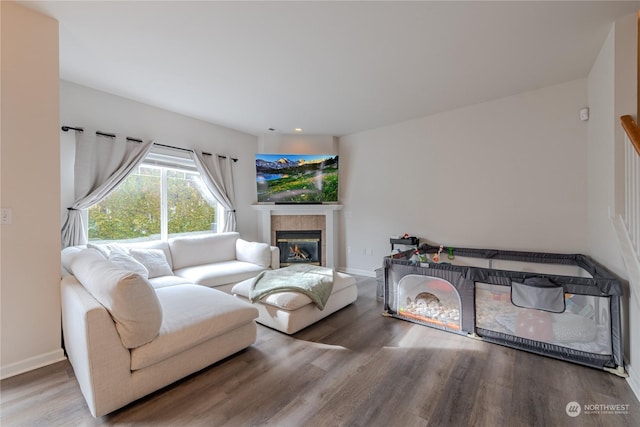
{"x": 584, "y": 114}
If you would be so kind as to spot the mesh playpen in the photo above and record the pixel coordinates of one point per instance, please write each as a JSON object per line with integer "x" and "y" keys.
{"x": 565, "y": 306}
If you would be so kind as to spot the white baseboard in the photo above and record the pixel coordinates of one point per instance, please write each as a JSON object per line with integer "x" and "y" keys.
{"x": 634, "y": 381}
{"x": 357, "y": 272}
{"x": 32, "y": 363}
{"x": 629, "y": 256}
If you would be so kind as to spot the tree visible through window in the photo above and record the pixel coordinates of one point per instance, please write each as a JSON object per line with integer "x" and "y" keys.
{"x": 188, "y": 209}
{"x": 154, "y": 202}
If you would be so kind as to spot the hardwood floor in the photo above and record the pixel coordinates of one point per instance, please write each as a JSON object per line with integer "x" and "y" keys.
{"x": 354, "y": 368}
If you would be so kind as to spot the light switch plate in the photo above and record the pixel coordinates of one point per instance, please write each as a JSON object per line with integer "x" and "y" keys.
{"x": 6, "y": 216}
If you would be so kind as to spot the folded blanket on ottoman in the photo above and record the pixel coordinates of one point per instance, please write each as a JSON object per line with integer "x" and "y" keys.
{"x": 311, "y": 280}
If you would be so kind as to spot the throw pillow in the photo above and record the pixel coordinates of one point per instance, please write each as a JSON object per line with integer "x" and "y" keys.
{"x": 130, "y": 299}
{"x": 108, "y": 249}
{"x": 253, "y": 252}
{"x": 154, "y": 260}
{"x": 117, "y": 248}
{"x": 129, "y": 263}
{"x": 103, "y": 249}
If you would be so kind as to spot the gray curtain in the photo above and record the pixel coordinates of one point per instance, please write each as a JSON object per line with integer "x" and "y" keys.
{"x": 217, "y": 175}
{"x": 101, "y": 164}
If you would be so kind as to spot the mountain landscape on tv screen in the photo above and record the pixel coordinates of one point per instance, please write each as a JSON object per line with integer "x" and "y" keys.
{"x": 295, "y": 178}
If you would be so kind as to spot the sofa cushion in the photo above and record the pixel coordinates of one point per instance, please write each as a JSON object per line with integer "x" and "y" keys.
{"x": 163, "y": 281}
{"x": 192, "y": 314}
{"x": 203, "y": 249}
{"x": 127, "y": 262}
{"x": 128, "y": 297}
{"x": 292, "y": 300}
{"x": 154, "y": 260}
{"x": 253, "y": 252}
{"x": 220, "y": 273}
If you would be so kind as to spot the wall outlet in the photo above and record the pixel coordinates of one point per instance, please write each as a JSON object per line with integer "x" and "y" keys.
{"x": 6, "y": 216}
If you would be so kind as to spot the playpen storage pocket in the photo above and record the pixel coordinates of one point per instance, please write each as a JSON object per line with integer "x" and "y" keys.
{"x": 538, "y": 293}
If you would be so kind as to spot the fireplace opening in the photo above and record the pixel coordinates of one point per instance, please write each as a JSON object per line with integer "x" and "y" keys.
{"x": 299, "y": 247}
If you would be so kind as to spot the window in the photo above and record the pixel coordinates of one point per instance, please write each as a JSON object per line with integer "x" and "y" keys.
{"x": 163, "y": 197}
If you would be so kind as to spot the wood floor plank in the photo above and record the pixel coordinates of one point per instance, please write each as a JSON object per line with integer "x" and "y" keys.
{"x": 354, "y": 368}
{"x": 496, "y": 385}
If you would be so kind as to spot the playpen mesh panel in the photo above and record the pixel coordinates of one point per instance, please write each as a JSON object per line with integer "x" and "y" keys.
{"x": 435, "y": 297}
{"x": 584, "y": 325}
{"x": 427, "y": 299}
{"x": 550, "y": 350}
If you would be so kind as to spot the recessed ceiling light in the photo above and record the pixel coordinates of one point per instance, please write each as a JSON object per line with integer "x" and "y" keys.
{"x": 298, "y": 129}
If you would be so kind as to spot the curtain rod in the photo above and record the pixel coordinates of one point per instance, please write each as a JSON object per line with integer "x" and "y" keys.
{"x": 113, "y": 135}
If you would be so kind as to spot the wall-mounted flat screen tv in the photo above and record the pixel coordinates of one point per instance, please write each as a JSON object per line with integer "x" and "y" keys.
{"x": 297, "y": 178}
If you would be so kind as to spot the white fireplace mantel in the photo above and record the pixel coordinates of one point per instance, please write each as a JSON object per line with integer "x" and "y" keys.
{"x": 329, "y": 211}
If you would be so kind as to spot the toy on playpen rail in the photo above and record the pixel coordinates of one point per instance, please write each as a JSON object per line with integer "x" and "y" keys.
{"x": 404, "y": 239}
{"x": 436, "y": 256}
{"x": 418, "y": 258}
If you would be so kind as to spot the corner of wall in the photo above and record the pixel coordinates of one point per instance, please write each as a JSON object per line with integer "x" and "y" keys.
{"x": 30, "y": 304}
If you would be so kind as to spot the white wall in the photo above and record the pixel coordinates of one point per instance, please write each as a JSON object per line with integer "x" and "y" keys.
{"x": 297, "y": 144}
{"x": 30, "y": 245}
{"x": 626, "y": 91}
{"x": 602, "y": 241}
{"x": 506, "y": 174}
{"x": 612, "y": 85}
{"x": 612, "y": 93}
{"x": 84, "y": 107}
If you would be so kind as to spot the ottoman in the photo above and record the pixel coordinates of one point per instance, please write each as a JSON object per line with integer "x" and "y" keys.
{"x": 290, "y": 312}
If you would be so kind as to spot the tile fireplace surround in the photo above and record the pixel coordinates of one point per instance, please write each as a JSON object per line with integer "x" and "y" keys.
{"x": 303, "y": 217}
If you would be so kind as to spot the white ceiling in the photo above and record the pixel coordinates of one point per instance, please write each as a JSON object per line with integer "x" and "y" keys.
{"x": 331, "y": 68}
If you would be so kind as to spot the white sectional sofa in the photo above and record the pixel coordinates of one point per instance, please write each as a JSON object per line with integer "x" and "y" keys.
{"x": 132, "y": 327}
